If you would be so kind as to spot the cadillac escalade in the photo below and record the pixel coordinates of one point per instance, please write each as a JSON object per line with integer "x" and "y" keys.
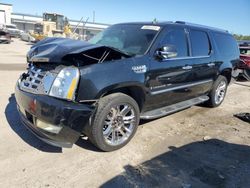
{"x": 131, "y": 71}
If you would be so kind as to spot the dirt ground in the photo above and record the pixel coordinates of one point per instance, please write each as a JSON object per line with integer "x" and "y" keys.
{"x": 167, "y": 152}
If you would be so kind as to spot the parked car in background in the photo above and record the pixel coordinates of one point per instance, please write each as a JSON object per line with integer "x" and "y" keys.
{"x": 243, "y": 42}
{"x": 5, "y": 37}
{"x": 12, "y": 29}
{"x": 244, "y": 65}
{"x": 25, "y": 36}
{"x": 245, "y": 54}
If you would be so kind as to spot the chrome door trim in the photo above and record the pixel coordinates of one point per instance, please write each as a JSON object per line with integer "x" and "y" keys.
{"x": 180, "y": 87}
{"x": 183, "y": 58}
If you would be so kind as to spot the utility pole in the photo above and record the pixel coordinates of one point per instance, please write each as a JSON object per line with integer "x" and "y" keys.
{"x": 93, "y": 16}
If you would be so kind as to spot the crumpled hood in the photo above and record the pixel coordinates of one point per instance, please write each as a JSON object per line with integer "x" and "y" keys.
{"x": 54, "y": 49}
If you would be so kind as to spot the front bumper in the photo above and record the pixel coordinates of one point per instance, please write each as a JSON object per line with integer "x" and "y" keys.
{"x": 4, "y": 39}
{"x": 72, "y": 117}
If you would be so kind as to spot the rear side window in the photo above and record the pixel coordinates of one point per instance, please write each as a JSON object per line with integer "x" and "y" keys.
{"x": 226, "y": 44}
{"x": 200, "y": 44}
{"x": 177, "y": 38}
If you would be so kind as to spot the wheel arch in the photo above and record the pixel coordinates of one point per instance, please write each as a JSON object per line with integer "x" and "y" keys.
{"x": 227, "y": 72}
{"x": 136, "y": 92}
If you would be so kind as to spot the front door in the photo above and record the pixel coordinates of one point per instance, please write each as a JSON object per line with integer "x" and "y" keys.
{"x": 169, "y": 78}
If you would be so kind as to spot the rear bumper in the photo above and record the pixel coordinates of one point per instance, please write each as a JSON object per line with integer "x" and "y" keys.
{"x": 72, "y": 117}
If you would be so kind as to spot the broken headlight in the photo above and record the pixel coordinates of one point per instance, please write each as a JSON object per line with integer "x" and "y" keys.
{"x": 65, "y": 84}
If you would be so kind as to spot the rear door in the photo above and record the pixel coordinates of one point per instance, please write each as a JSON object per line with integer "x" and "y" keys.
{"x": 204, "y": 67}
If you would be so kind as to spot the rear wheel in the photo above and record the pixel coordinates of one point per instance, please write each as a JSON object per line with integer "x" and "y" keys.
{"x": 115, "y": 122}
{"x": 218, "y": 92}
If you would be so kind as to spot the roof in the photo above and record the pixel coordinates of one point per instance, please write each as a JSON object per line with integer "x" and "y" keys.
{"x": 6, "y": 4}
{"x": 10, "y": 24}
{"x": 165, "y": 23}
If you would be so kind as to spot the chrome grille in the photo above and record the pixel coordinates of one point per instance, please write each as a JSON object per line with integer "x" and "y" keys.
{"x": 37, "y": 81}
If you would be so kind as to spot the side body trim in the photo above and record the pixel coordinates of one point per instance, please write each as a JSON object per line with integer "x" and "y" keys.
{"x": 180, "y": 87}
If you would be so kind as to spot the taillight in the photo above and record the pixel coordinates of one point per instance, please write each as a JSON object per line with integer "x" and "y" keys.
{"x": 247, "y": 63}
{"x": 243, "y": 64}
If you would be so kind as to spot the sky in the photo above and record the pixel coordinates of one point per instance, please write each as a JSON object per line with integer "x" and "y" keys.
{"x": 231, "y": 15}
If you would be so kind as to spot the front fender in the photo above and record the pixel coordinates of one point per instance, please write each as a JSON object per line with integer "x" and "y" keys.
{"x": 98, "y": 79}
{"x": 122, "y": 87}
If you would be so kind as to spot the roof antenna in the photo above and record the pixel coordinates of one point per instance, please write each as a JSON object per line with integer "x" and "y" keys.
{"x": 155, "y": 21}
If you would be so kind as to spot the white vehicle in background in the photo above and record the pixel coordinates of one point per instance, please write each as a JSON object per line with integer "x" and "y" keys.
{"x": 12, "y": 29}
{"x": 25, "y": 36}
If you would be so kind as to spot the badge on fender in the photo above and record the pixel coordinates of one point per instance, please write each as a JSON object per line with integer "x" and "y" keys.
{"x": 139, "y": 69}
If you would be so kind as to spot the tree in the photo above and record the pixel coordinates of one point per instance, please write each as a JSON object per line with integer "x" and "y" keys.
{"x": 241, "y": 37}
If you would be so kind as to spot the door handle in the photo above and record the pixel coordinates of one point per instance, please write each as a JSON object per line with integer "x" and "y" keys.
{"x": 211, "y": 64}
{"x": 187, "y": 67}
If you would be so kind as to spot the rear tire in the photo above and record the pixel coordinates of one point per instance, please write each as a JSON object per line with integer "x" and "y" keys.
{"x": 114, "y": 122}
{"x": 218, "y": 92}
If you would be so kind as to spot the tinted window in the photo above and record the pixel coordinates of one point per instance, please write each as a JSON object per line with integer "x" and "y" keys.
{"x": 227, "y": 45}
{"x": 199, "y": 43}
{"x": 177, "y": 38}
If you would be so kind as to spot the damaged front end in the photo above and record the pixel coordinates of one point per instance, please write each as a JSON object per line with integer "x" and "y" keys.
{"x": 46, "y": 94}
{"x": 72, "y": 52}
{"x": 54, "y": 65}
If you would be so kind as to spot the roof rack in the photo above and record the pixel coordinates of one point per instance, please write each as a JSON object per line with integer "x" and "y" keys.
{"x": 199, "y": 25}
{"x": 180, "y": 22}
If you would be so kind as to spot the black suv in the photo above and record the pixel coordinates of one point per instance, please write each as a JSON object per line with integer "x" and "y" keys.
{"x": 132, "y": 71}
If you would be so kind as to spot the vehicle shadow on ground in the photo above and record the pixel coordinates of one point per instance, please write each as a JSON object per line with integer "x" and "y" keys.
{"x": 242, "y": 83}
{"x": 212, "y": 163}
{"x": 15, "y": 123}
{"x": 86, "y": 144}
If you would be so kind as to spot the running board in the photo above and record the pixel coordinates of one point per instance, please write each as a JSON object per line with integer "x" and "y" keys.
{"x": 153, "y": 114}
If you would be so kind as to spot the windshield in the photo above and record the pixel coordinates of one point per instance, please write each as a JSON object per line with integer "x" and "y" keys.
{"x": 10, "y": 26}
{"x": 131, "y": 39}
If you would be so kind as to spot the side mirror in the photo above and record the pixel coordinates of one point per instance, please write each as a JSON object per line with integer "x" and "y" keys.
{"x": 167, "y": 51}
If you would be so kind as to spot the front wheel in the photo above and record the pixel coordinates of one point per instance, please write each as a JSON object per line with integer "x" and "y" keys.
{"x": 115, "y": 122}
{"x": 218, "y": 92}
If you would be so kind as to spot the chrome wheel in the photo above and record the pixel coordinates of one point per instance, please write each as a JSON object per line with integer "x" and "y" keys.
{"x": 220, "y": 92}
{"x": 119, "y": 124}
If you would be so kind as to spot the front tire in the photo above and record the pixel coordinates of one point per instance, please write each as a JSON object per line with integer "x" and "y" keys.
{"x": 218, "y": 92}
{"x": 115, "y": 122}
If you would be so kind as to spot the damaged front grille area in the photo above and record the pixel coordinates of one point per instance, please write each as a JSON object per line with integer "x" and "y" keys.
{"x": 37, "y": 80}
{"x": 34, "y": 79}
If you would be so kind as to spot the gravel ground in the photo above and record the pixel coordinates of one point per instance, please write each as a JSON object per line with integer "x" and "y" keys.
{"x": 197, "y": 147}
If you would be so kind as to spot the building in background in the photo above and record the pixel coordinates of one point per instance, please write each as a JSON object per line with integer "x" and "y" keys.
{"x": 26, "y": 22}
{"x": 5, "y": 13}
